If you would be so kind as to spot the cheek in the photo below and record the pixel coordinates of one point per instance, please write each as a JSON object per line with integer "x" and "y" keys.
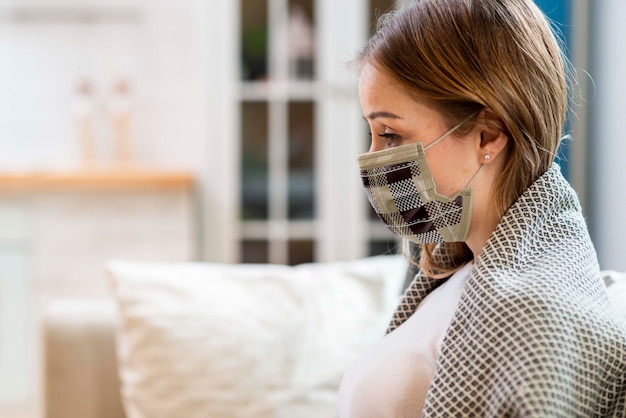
{"x": 449, "y": 172}
{"x": 443, "y": 179}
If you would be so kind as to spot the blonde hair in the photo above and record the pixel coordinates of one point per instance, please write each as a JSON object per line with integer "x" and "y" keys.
{"x": 464, "y": 56}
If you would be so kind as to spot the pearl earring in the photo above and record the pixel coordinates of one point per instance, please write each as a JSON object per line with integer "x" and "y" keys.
{"x": 487, "y": 156}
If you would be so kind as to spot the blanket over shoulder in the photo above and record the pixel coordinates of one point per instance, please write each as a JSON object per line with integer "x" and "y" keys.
{"x": 534, "y": 334}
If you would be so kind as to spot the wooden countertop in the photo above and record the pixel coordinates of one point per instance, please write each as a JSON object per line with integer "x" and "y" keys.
{"x": 96, "y": 178}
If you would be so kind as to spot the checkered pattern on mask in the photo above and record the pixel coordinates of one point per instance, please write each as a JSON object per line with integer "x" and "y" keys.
{"x": 405, "y": 214}
{"x": 533, "y": 334}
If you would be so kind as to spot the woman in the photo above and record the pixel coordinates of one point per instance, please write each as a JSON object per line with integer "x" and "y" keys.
{"x": 508, "y": 315}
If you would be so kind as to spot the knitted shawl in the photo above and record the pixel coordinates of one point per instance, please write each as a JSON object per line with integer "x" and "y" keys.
{"x": 534, "y": 334}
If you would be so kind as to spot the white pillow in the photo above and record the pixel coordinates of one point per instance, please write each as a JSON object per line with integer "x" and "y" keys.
{"x": 216, "y": 340}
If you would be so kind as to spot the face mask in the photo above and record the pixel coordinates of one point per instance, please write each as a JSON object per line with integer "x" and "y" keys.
{"x": 401, "y": 189}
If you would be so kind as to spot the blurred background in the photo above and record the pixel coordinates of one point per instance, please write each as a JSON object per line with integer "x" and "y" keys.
{"x": 226, "y": 131}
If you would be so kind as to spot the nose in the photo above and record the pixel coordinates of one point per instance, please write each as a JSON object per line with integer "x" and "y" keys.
{"x": 376, "y": 145}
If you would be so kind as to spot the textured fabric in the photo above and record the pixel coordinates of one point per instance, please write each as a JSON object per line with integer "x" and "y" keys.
{"x": 616, "y": 287}
{"x": 534, "y": 334}
{"x": 391, "y": 378}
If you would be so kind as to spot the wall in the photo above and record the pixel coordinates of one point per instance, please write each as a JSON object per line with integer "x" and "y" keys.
{"x": 48, "y": 46}
{"x": 606, "y": 145}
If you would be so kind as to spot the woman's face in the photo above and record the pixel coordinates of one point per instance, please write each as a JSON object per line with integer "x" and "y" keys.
{"x": 395, "y": 118}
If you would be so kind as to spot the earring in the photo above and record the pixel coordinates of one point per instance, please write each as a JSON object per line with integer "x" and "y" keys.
{"x": 487, "y": 156}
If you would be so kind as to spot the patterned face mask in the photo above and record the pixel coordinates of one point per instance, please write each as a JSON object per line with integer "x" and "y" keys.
{"x": 401, "y": 189}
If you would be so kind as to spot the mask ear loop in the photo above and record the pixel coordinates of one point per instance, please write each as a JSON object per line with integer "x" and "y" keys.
{"x": 471, "y": 180}
{"x": 474, "y": 176}
{"x": 466, "y": 187}
{"x": 454, "y": 128}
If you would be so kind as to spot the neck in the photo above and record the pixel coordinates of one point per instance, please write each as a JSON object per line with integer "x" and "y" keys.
{"x": 479, "y": 234}
{"x": 483, "y": 221}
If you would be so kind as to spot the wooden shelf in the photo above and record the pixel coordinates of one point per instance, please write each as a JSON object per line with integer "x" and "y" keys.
{"x": 105, "y": 178}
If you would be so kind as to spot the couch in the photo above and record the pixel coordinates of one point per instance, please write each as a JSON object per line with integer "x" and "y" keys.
{"x": 209, "y": 340}
{"x": 213, "y": 340}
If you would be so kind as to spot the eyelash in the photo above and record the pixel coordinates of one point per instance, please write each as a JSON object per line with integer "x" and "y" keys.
{"x": 391, "y": 138}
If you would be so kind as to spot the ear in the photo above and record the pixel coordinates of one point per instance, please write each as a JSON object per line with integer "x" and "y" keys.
{"x": 493, "y": 136}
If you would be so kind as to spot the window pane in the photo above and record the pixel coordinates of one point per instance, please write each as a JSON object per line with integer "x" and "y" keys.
{"x": 301, "y": 252}
{"x": 301, "y": 181}
{"x": 254, "y": 252}
{"x": 254, "y": 48}
{"x": 254, "y": 167}
{"x": 301, "y": 41}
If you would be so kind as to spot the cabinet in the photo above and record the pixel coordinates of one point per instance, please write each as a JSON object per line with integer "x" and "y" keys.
{"x": 297, "y": 125}
{"x": 57, "y": 231}
{"x": 16, "y": 319}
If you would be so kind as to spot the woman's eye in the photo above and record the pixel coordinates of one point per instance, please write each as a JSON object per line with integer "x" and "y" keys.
{"x": 391, "y": 138}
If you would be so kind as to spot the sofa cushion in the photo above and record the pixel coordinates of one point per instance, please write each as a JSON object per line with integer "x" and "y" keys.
{"x": 80, "y": 378}
{"x": 216, "y": 340}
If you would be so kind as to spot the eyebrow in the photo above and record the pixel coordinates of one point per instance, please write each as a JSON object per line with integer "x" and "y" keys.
{"x": 381, "y": 114}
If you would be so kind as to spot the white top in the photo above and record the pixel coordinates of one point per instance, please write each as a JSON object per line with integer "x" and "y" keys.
{"x": 391, "y": 378}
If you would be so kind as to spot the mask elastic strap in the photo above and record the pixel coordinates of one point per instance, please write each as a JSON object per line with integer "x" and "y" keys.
{"x": 472, "y": 179}
{"x": 474, "y": 176}
{"x": 454, "y": 128}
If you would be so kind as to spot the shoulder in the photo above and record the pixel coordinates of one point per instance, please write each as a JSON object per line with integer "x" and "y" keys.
{"x": 544, "y": 316}
{"x": 535, "y": 350}
{"x": 548, "y": 303}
